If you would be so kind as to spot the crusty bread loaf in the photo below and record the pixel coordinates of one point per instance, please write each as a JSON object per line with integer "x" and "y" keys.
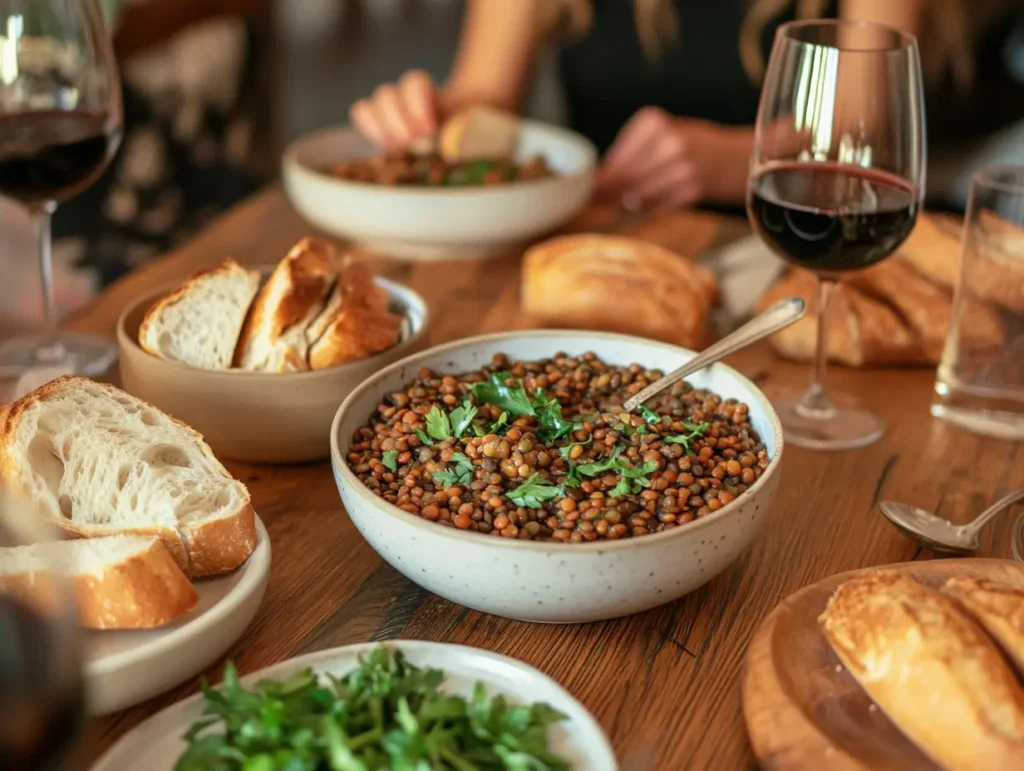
{"x": 930, "y": 668}
{"x": 199, "y": 323}
{"x": 120, "y": 582}
{"x": 934, "y": 248}
{"x": 97, "y": 461}
{"x": 478, "y": 133}
{"x": 274, "y": 337}
{"x": 618, "y": 284}
{"x": 997, "y": 607}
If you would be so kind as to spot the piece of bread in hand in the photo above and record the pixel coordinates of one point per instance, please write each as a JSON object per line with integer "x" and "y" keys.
{"x": 930, "y": 669}
{"x": 274, "y": 337}
{"x": 478, "y": 133}
{"x": 96, "y": 461}
{"x": 618, "y": 284}
{"x": 997, "y": 607}
{"x": 199, "y": 323}
{"x": 120, "y": 582}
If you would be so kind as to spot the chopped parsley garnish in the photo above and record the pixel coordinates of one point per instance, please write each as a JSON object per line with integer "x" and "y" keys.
{"x": 632, "y": 479}
{"x": 389, "y": 459}
{"x": 461, "y": 474}
{"x": 650, "y": 416}
{"x": 565, "y": 451}
{"x": 439, "y": 425}
{"x": 534, "y": 491}
{"x": 516, "y": 402}
{"x": 461, "y": 417}
{"x": 426, "y": 440}
{"x": 696, "y": 431}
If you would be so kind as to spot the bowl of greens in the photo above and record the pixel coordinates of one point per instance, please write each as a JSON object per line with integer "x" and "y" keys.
{"x": 401, "y": 705}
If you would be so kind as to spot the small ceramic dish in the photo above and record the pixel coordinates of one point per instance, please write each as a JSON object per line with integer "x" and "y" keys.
{"x": 543, "y": 580}
{"x": 421, "y": 223}
{"x": 258, "y": 417}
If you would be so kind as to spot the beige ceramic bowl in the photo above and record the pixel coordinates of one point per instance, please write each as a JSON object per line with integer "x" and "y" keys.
{"x": 255, "y": 416}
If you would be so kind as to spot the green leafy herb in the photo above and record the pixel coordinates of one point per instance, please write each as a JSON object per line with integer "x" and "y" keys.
{"x": 600, "y": 466}
{"x": 500, "y": 425}
{"x": 551, "y": 424}
{"x": 632, "y": 479}
{"x": 384, "y": 714}
{"x": 567, "y": 449}
{"x": 461, "y": 418}
{"x": 390, "y": 459}
{"x": 696, "y": 431}
{"x": 513, "y": 399}
{"x": 439, "y": 426}
{"x": 426, "y": 440}
{"x": 462, "y": 474}
{"x": 650, "y": 416}
{"x": 579, "y": 420}
{"x": 534, "y": 491}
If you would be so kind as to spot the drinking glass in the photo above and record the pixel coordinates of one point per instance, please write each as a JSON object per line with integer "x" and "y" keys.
{"x": 836, "y": 179}
{"x": 980, "y": 380}
{"x": 60, "y": 123}
{"x": 41, "y": 692}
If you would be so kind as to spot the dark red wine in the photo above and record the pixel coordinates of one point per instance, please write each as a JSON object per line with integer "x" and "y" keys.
{"x": 41, "y": 705}
{"x": 830, "y": 218}
{"x": 51, "y": 155}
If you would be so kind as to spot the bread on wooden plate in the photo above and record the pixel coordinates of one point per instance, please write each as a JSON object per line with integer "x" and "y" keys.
{"x": 274, "y": 337}
{"x": 997, "y": 607}
{"x": 478, "y": 133}
{"x": 199, "y": 323}
{"x": 618, "y": 284}
{"x": 930, "y": 669}
{"x": 96, "y": 461}
{"x": 120, "y": 581}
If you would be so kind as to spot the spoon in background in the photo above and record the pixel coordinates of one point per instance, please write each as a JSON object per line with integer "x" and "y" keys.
{"x": 941, "y": 534}
{"x": 779, "y": 316}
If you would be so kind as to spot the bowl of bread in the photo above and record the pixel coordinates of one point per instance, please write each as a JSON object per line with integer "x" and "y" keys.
{"x": 487, "y": 183}
{"x": 258, "y": 360}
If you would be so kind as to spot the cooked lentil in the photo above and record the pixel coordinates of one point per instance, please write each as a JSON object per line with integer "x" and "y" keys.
{"x": 541, "y": 450}
{"x": 406, "y": 168}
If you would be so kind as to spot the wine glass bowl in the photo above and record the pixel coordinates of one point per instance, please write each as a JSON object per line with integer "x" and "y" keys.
{"x": 60, "y": 123}
{"x": 837, "y": 178}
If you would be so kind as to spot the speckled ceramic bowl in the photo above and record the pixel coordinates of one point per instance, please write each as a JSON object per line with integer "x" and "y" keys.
{"x": 546, "y": 581}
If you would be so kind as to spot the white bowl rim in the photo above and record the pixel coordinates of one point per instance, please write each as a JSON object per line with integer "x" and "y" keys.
{"x": 652, "y": 539}
{"x": 290, "y": 158}
{"x": 407, "y": 295}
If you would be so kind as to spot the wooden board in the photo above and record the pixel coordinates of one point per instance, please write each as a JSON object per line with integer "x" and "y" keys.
{"x": 803, "y": 710}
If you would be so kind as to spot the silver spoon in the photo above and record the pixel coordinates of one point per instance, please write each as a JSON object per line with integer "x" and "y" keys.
{"x": 941, "y": 534}
{"x": 779, "y": 316}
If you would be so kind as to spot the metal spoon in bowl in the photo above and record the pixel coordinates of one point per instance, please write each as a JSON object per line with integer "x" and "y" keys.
{"x": 779, "y": 316}
{"x": 941, "y": 534}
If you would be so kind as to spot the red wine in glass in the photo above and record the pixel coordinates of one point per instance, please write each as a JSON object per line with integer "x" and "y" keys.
{"x": 830, "y": 218}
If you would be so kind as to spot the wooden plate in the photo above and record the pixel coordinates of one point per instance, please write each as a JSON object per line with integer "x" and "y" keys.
{"x": 804, "y": 710}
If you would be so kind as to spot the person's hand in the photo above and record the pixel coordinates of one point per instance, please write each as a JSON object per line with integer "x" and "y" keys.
{"x": 397, "y": 115}
{"x": 663, "y": 162}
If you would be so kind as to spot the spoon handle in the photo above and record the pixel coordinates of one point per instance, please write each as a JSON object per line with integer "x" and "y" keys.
{"x": 999, "y": 506}
{"x": 779, "y": 316}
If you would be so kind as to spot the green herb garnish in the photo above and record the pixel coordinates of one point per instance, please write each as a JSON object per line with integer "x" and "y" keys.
{"x": 439, "y": 426}
{"x": 696, "y": 431}
{"x": 564, "y": 451}
{"x": 385, "y": 714}
{"x": 552, "y": 425}
{"x": 534, "y": 491}
{"x": 461, "y": 417}
{"x": 515, "y": 401}
{"x": 650, "y": 416}
{"x": 632, "y": 479}
{"x": 389, "y": 459}
{"x": 579, "y": 420}
{"x": 462, "y": 474}
{"x": 426, "y": 440}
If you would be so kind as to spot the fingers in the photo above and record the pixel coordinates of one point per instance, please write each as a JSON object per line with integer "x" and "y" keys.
{"x": 674, "y": 187}
{"x": 398, "y": 114}
{"x": 419, "y": 95}
{"x": 631, "y": 144}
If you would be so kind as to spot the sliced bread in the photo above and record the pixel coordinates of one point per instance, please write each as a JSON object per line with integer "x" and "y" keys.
{"x": 199, "y": 323}
{"x": 120, "y": 582}
{"x": 274, "y": 337}
{"x": 479, "y": 133}
{"x": 97, "y": 461}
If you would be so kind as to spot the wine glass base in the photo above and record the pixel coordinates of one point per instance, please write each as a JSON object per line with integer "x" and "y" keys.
{"x": 840, "y": 428}
{"x": 64, "y": 353}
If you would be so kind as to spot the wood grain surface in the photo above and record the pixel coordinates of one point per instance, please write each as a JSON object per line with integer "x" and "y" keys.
{"x": 665, "y": 684}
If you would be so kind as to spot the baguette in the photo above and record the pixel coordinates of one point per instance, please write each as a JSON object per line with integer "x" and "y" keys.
{"x": 96, "y": 461}
{"x": 478, "y": 133}
{"x": 930, "y": 668}
{"x": 120, "y": 582}
{"x": 997, "y": 607}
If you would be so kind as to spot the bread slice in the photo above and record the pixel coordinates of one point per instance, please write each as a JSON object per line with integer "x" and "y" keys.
{"x": 478, "y": 133}
{"x": 120, "y": 582}
{"x": 274, "y": 337}
{"x": 96, "y": 461}
{"x": 997, "y": 607}
{"x": 199, "y": 323}
{"x": 930, "y": 668}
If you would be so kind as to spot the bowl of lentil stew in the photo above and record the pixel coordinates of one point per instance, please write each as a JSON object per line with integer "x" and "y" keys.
{"x": 498, "y": 473}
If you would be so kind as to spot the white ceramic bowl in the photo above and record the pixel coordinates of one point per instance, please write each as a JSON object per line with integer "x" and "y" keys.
{"x": 439, "y": 223}
{"x": 547, "y": 581}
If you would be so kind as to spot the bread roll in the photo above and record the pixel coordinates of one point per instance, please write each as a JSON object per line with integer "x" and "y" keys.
{"x": 618, "y": 284}
{"x": 997, "y": 607}
{"x": 931, "y": 669}
{"x": 478, "y": 133}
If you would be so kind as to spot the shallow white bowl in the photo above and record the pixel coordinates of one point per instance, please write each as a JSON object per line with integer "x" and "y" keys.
{"x": 156, "y": 744}
{"x": 439, "y": 223}
{"x": 546, "y": 581}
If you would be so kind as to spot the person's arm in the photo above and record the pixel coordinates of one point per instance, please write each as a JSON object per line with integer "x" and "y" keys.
{"x": 904, "y": 15}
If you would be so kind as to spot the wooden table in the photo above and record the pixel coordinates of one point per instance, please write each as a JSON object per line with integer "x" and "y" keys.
{"x": 665, "y": 683}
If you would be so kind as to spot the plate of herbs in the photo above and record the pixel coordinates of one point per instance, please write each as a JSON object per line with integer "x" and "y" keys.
{"x": 406, "y": 706}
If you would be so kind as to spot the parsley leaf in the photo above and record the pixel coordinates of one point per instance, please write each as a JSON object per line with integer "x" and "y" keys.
{"x": 650, "y": 416}
{"x": 564, "y": 451}
{"x": 696, "y": 431}
{"x": 461, "y": 417}
{"x": 513, "y": 399}
{"x": 552, "y": 425}
{"x": 426, "y": 440}
{"x": 632, "y": 479}
{"x": 439, "y": 426}
{"x": 533, "y": 492}
{"x": 462, "y": 474}
{"x": 497, "y": 427}
{"x": 579, "y": 420}
{"x": 390, "y": 461}
{"x": 600, "y": 466}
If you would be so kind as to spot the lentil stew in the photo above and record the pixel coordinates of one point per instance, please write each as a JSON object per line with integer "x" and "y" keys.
{"x": 541, "y": 450}
{"x": 410, "y": 169}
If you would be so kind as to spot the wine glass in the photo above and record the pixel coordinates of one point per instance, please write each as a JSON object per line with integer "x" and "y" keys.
{"x": 41, "y": 688}
{"x": 60, "y": 123}
{"x": 837, "y": 179}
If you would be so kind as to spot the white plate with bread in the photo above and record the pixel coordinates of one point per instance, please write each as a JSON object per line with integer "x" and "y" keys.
{"x": 911, "y": 666}
{"x": 167, "y": 557}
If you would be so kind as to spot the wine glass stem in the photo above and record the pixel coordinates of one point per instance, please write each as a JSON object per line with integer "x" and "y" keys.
{"x": 815, "y": 403}
{"x": 52, "y": 351}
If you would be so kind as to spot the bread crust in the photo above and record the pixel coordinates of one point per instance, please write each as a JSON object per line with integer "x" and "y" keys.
{"x": 997, "y": 607}
{"x": 221, "y": 545}
{"x": 930, "y": 668}
{"x": 462, "y": 135}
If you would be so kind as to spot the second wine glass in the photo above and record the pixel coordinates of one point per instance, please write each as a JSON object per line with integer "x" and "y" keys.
{"x": 837, "y": 179}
